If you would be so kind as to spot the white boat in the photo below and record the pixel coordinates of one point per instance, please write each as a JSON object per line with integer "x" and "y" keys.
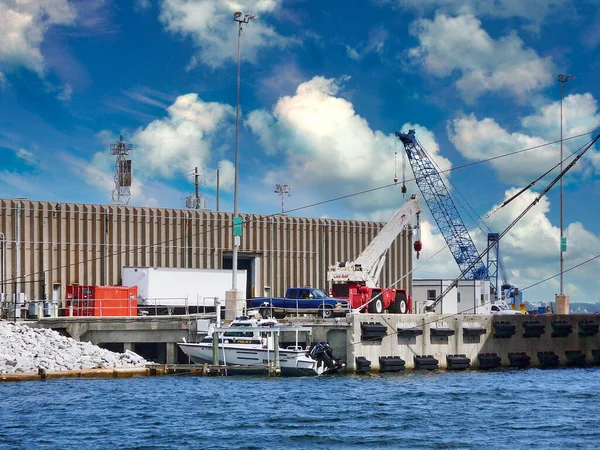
{"x": 250, "y": 342}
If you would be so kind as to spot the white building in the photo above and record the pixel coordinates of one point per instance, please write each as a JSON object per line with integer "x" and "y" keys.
{"x": 471, "y": 297}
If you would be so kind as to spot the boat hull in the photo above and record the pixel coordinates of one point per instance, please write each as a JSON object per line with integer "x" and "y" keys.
{"x": 291, "y": 362}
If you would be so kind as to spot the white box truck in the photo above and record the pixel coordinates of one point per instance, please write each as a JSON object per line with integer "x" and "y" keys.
{"x": 179, "y": 291}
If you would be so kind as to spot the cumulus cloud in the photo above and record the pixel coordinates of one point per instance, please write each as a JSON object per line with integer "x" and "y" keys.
{"x": 482, "y": 139}
{"x": 580, "y": 115}
{"x": 324, "y": 144}
{"x": 23, "y": 26}
{"x": 182, "y": 140}
{"x": 210, "y": 25}
{"x": 535, "y": 12}
{"x": 459, "y": 45}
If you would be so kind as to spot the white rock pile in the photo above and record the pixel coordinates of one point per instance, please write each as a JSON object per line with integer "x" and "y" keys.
{"x": 24, "y": 349}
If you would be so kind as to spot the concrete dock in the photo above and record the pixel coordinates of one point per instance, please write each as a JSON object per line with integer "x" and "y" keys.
{"x": 372, "y": 342}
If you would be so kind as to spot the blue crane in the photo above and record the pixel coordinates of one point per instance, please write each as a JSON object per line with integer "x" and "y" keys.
{"x": 443, "y": 209}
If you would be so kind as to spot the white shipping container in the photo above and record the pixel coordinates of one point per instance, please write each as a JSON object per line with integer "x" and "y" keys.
{"x": 471, "y": 297}
{"x": 174, "y": 287}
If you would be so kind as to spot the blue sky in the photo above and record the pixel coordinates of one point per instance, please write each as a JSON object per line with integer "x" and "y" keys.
{"x": 324, "y": 86}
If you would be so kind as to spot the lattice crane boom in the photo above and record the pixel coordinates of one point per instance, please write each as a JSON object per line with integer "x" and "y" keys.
{"x": 443, "y": 209}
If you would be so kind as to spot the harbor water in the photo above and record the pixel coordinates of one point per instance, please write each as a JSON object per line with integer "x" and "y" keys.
{"x": 446, "y": 410}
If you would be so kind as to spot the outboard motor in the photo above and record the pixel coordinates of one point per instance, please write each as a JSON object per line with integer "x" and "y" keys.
{"x": 323, "y": 354}
{"x": 266, "y": 311}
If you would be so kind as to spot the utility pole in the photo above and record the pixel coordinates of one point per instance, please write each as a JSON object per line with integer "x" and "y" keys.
{"x": 562, "y": 301}
{"x": 240, "y": 18}
{"x": 196, "y": 187}
{"x": 218, "y": 188}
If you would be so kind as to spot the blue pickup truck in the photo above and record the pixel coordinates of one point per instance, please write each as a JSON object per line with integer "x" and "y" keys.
{"x": 301, "y": 301}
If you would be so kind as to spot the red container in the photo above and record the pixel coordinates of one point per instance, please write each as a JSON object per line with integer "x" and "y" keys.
{"x": 101, "y": 301}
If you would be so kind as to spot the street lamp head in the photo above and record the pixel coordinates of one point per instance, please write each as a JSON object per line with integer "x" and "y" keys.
{"x": 247, "y": 17}
{"x": 564, "y": 78}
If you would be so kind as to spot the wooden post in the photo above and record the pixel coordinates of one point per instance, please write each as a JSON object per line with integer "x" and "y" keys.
{"x": 276, "y": 347}
{"x": 215, "y": 348}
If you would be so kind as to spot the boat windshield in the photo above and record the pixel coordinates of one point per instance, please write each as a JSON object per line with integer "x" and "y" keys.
{"x": 238, "y": 334}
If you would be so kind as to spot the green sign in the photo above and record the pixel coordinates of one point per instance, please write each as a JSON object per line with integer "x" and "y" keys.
{"x": 237, "y": 226}
{"x": 563, "y": 244}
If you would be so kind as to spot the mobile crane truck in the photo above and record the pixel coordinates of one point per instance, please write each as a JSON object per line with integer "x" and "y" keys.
{"x": 358, "y": 280}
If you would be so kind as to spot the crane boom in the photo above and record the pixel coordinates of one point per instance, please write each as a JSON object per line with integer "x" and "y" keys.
{"x": 368, "y": 265}
{"x": 443, "y": 209}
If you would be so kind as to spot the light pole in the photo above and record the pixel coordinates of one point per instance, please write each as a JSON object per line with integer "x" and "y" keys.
{"x": 240, "y": 18}
{"x": 282, "y": 190}
{"x": 563, "y": 244}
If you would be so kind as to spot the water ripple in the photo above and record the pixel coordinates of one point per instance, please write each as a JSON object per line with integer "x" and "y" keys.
{"x": 446, "y": 410}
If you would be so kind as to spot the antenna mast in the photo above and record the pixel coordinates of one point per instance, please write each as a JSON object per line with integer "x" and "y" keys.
{"x": 196, "y": 201}
{"x": 282, "y": 190}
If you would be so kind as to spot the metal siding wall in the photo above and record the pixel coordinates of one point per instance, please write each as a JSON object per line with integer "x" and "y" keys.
{"x": 71, "y": 244}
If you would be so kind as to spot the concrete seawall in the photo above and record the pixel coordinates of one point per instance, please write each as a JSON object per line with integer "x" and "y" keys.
{"x": 513, "y": 338}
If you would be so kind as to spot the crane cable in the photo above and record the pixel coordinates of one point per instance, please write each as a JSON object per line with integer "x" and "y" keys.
{"x": 506, "y": 202}
{"x": 512, "y": 224}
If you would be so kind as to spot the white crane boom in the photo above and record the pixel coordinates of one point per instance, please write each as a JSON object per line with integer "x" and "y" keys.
{"x": 368, "y": 265}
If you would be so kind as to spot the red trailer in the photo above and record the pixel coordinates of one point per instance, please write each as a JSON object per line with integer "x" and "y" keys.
{"x": 101, "y": 301}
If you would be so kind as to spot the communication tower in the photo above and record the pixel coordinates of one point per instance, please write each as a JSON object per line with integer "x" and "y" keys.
{"x": 196, "y": 201}
{"x": 282, "y": 190}
{"x": 121, "y": 193}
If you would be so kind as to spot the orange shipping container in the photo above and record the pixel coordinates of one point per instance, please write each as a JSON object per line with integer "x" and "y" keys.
{"x": 101, "y": 301}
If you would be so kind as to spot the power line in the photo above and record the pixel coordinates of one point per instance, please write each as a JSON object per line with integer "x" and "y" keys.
{"x": 228, "y": 226}
{"x": 557, "y": 274}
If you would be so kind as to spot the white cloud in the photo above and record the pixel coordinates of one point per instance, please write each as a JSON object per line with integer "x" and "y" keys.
{"x": 482, "y": 139}
{"x": 450, "y": 45}
{"x": 374, "y": 44}
{"x": 327, "y": 147}
{"x": 26, "y": 155}
{"x": 99, "y": 174}
{"x": 23, "y": 26}
{"x": 580, "y": 115}
{"x": 211, "y": 26}
{"x": 13, "y": 184}
{"x": 65, "y": 94}
{"x": 352, "y": 53}
{"x": 533, "y": 11}
{"x": 183, "y": 140}
{"x": 140, "y": 5}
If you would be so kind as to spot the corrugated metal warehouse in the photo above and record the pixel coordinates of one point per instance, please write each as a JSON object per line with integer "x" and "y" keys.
{"x": 47, "y": 245}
